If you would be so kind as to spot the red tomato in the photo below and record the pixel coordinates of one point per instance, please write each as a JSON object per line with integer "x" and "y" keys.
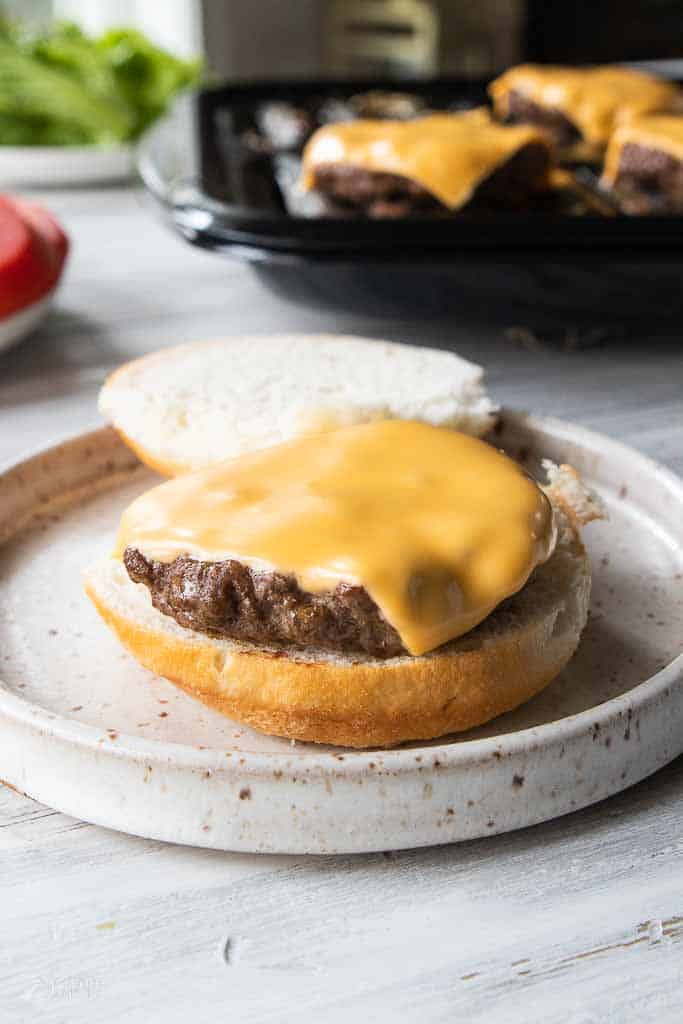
{"x": 33, "y": 249}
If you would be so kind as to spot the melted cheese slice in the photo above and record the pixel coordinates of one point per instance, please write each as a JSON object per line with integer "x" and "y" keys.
{"x": 447, "y": 154}
{"x": 595, "y": 100}
{"x": 439, "y": 527}
{"x": 661, "y": 132}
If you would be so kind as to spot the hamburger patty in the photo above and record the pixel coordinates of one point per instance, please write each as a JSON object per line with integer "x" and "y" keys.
{"x": 521, "y": 110}
{"x": 228, "y": 599}
{"x": 649, "y": 181}
{"x": 374, "y": 193}
{"x": 378, "y": 194}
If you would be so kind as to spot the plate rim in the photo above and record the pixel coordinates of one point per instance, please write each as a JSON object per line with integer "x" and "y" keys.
{"x": 399, "y": 760}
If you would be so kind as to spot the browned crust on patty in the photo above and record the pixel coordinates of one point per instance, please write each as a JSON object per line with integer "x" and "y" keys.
{"x": 230, "y": 599}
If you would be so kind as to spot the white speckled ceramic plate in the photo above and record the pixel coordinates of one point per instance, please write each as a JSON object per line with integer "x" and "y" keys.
{"x": 84, "y": 729}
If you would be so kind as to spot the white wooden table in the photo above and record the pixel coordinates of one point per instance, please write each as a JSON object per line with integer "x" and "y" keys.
{"x": 579, "y": 920}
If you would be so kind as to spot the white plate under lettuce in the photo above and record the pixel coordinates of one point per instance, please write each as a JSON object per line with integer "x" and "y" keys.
{"x": 63, "y": 166}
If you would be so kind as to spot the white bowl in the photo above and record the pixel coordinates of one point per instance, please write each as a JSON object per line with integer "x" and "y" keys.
{"x": 50, "y": 166}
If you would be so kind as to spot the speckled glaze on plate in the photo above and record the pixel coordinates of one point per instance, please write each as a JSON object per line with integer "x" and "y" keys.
{"x": 84, "y": 729}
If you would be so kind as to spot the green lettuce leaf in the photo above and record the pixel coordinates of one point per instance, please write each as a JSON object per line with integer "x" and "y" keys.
{"x": 62, "y": 87}
{"x": 147, "y": 76}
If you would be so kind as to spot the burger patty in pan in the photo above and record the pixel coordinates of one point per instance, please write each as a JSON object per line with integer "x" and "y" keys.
{"x": 649, "y": 181}
{"x": 380, "y": 195}
{"x": 521, "y": 110}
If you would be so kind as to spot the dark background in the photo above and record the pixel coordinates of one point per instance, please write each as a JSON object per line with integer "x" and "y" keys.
{"x": 271, "y": 38}
{"x": 602, "y": 30}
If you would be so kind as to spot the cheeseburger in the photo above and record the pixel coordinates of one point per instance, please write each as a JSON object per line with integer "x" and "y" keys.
{"x": 382, "y": 582}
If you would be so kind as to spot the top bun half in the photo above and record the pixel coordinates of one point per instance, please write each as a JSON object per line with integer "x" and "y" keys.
{"x": 186, "y": 408}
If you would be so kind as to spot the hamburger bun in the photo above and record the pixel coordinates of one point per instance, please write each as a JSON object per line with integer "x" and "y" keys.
{"x": 185, "y": 408}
